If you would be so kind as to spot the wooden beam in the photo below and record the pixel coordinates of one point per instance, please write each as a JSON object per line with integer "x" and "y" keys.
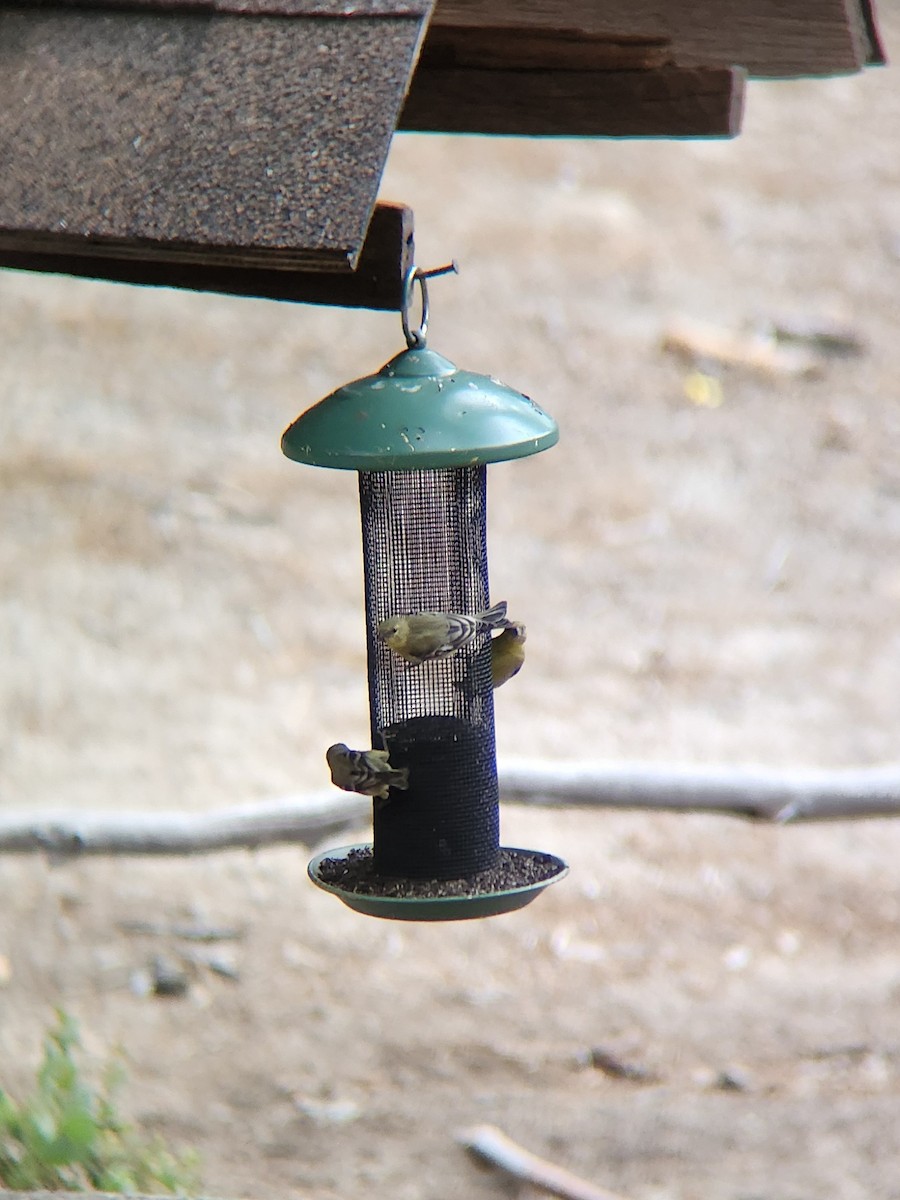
{"x": 871, "y": 34}
{"x": 670, "y": 102}
{"x": 511, "y": 49}
{"x": 387, "y": 255}
{"x": 770, "y": 38}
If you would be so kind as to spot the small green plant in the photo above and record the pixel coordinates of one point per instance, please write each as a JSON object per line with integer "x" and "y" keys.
{"x": 68, "y": 1136}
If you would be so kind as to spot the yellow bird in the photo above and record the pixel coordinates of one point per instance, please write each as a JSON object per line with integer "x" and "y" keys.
{"x": 367, "y": 772}
{"x": 507, "y": 653}
{"x": 419, "y": 636}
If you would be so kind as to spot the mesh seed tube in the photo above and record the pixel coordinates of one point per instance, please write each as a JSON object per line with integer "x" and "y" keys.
{"x": 425, "y": 550}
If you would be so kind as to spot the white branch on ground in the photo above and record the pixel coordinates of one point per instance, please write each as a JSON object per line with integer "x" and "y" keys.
{"x": 299, "y": 819}
{"x": 493, "y": 1146}
{"x": 754, "y": 792}
{"x": 764, "y": 793}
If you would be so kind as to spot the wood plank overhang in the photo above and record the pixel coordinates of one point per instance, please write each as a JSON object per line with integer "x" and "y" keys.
{"x": 623, "y": 68}
{"x": 238, "y": 145}
{"x": 769, "y": 38}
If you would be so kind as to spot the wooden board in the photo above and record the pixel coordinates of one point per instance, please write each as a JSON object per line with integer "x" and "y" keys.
{"x": 387, "y": 255}
{"x": 669, "y": 102}
{"x": 502, "y": 48}
{"x": 768, "y": 37}
{"x": 231, "y": 141}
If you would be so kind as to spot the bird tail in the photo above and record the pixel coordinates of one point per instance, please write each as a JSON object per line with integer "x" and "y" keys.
{"x": 494, "y": 618}
{"x": 399, "y": 778}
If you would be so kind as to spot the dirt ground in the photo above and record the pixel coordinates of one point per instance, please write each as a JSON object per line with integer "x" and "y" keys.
{"x": 181, "y": 627}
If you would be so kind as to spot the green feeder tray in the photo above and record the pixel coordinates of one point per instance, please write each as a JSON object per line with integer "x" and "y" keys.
{"x": 437, "y": 908}
{"x": 419, "y": 412}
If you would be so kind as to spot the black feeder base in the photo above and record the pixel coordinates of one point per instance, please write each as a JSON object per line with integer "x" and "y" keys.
{"x": 517, "y": 878}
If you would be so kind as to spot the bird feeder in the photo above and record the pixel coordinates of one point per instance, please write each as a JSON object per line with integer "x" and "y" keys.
{"x": 420, "y": 434}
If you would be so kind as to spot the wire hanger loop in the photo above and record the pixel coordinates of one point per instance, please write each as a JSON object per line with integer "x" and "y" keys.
{"x": 415, "y": 338}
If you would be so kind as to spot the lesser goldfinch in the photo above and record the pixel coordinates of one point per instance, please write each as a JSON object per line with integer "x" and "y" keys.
{"x": 365, "y": 771}
{"x": 507, "y": 653}
{"x": 420, "y": 636}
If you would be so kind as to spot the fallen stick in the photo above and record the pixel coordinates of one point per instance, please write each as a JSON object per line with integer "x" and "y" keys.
{"x": 761, "y": 793}
{"x": 755, "y": 351}
{"x": 492, "y": 1145}
{"x": 757, "y": 793}
{"x": 64, "y": 834}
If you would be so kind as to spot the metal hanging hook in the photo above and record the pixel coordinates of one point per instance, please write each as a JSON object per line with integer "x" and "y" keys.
{"x": 415, "y": 338}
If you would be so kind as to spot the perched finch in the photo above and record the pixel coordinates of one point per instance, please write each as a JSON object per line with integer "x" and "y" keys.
{"x": 507, "y": 653}
{"x": 365, "y": 771}
{"x": 425, "y": 635}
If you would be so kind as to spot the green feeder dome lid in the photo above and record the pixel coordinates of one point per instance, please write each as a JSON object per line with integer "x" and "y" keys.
{"x": 419, "y": 412}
